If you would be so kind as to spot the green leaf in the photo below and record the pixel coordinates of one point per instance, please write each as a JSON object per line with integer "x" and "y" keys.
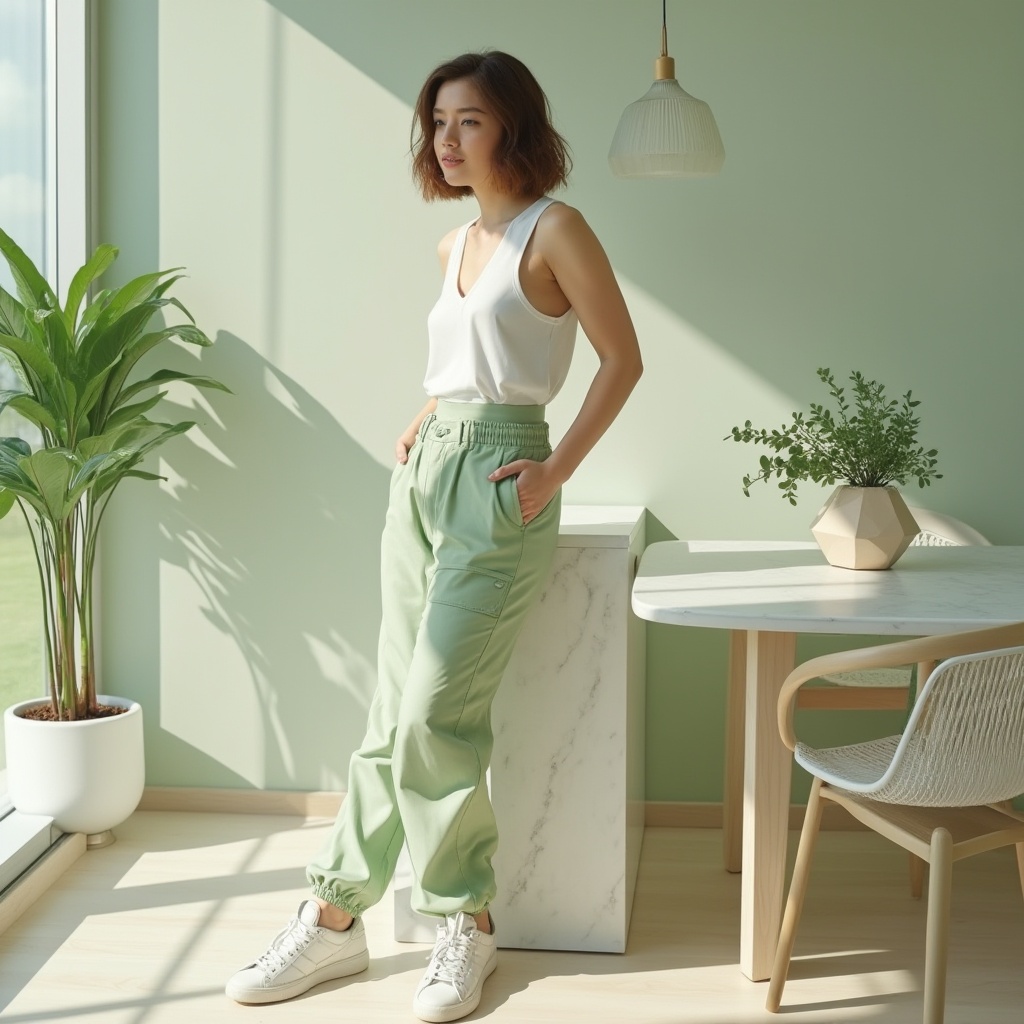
{"x": 14, "y": 448}
{"x": 135, "y": 292}
{"x": 25, "y": 405}
{"x": 100, "y": 260}
{"x": 33, "y": 355}
{"x": 108, "y": 341}
{"x": 92, "y": 311}
{"x": 135, "y": 351}
{"x": 59, "y": 343}
{"x": 86, "y": 474}
{"x": 130, "y": 412}
{"x": 99, "y": 444}
{"x": 12, "y": 314}
{"x": 12, "y": 476}
{"x": 50, "y": 471}
{"x": 165, "y": 431}
{"x": 33, "y": 290}
{"x": 164, "y": 377}
{"x": 90, "y": 394}
{"x": 7, "y": 501}
{"x": 6, "y": 397}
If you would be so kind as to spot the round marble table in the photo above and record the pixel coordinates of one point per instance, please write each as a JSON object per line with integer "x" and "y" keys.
{"x": 766, "y": 593}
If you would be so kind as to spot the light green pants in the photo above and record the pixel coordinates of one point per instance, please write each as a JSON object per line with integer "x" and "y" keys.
{"x": 459, "y": 572}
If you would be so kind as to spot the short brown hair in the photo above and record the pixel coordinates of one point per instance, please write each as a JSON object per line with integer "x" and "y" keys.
{"x": 532, "y": 158}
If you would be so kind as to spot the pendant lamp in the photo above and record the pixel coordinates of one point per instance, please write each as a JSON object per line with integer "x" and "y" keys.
{"x": 667, "y": 133}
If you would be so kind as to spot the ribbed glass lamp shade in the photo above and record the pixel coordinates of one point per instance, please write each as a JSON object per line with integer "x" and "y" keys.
{"x": 667, "y": 133}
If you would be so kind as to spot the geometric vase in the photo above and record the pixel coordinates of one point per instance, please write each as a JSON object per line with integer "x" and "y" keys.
{"x": 864, "y": 527}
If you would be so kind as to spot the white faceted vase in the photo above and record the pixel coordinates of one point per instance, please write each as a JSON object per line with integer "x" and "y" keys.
{"x": 864, "y": 527}
{"x": 88, "y": 776}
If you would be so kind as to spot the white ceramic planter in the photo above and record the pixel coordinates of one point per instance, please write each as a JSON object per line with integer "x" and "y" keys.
{"x": 87, "y": 776}
{"x": 864, "y": 527}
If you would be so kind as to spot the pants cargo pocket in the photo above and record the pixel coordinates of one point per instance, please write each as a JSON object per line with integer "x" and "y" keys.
{"x": 475, "y": 590}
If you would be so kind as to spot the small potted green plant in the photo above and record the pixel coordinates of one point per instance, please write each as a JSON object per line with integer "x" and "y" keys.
{"x": 869, "y": 444}
{"x": 77, "y": 756}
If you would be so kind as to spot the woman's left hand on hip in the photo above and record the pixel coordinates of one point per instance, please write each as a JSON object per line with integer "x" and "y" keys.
{"x": 535, "y": 483}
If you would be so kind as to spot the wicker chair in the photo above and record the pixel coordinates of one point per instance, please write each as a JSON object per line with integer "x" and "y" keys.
{"x": 940, "y": 790}
{"x": 886, "y": 689}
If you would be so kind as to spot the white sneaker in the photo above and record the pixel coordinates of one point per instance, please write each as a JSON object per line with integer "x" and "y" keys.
{"x": 463, "y": 957}
{"x": 301, "y": 956}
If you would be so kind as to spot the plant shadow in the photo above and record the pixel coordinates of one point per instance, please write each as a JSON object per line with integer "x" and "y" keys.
{"x": 274, "y": 545}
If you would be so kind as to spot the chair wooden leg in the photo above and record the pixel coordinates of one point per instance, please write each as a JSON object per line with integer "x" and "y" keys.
{"x": 795, "y": 903}
{"x": 940, "y": 881}
{"x": 916, "y": 876}
{"x": 732, "y": 798}
{"x": 924, "y": 670}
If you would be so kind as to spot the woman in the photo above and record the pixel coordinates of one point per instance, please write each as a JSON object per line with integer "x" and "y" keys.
{"x": 470, "y": 533}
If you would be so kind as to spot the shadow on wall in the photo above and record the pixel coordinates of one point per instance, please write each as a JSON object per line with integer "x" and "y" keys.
{"x": 281, "y": 597}
{"x": 841, "y": 226}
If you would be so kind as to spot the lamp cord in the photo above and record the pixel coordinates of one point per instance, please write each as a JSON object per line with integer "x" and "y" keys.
{"x": 664, "y": 29}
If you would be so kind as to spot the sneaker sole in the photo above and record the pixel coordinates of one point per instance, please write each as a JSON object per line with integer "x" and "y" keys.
{"x": 278, "y": 993}
{"x": 443, "y": 1014}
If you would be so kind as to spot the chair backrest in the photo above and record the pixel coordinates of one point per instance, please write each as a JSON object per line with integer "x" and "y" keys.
{"x": 940, "y": 530}
{"x": 964, "y": 742}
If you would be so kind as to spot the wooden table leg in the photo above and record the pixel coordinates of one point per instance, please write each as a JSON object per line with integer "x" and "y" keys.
{"x": 767, "y": 769}
{"x": 732, "y": 795}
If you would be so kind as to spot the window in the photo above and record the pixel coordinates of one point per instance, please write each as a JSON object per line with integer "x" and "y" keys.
{"x": 43, "y": 168}
{"x": 23, "y": 215}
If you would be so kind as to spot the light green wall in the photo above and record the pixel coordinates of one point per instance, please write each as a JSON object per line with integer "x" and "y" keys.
{"x": 869, "y": 216}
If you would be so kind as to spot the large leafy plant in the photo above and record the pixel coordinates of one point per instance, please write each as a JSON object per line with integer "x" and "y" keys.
{"x": 871, "y": 443}
{"x": 74, "y": 365}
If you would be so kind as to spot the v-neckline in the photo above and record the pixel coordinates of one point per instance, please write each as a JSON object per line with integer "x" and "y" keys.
{"x": 464, "y": 295}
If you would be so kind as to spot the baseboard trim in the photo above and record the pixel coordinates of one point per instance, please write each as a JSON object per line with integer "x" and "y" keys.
{"x": 325, "y": 804}
{"x": 316, "y": 804}
{"x": 676, "y": 814}
{"x": 22, "y": 893}
{"x": 679, "y": 814}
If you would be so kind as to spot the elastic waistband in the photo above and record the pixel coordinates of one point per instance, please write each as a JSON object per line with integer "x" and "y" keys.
{"x": 484, "y": 423}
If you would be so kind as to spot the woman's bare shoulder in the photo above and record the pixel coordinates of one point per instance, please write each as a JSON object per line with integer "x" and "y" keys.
{"x": 561, "y": 216}
{"x": 563, "y": 230}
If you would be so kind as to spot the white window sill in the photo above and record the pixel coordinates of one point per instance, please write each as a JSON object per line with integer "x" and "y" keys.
{"x": 24, "y": 838}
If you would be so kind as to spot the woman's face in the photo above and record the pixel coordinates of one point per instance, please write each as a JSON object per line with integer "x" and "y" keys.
{"x": 466, "y": 134}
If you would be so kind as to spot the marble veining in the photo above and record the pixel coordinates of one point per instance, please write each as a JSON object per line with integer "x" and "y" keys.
{"x": 929, "y": 590}
{"x": 568, "y": 757}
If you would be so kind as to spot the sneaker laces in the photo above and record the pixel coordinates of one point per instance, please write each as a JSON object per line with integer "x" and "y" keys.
{"x": 451, "y": 959}
{"x": 287, "y": 945}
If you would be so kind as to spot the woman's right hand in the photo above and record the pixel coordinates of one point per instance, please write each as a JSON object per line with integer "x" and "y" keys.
{"x": 402, "y": 446}
{"x": 408, "y": 438}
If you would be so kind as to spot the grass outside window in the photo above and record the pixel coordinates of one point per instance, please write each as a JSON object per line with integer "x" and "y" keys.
{"x": 21, "y": 648}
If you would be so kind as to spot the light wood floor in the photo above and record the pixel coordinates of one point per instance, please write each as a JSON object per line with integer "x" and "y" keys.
{"x": 147, "y": 930}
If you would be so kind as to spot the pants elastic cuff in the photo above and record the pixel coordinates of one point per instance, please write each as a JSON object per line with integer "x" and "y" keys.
{"x": 328, "y": 895}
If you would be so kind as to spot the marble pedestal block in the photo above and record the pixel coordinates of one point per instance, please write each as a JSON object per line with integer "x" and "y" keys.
{"x": 567, "y": 774}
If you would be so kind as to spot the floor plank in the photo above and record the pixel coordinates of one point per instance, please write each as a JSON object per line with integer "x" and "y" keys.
{"x": 146, "y": 932}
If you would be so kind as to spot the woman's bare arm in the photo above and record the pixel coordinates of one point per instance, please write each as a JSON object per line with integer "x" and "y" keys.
{"x": 579, "y": 265}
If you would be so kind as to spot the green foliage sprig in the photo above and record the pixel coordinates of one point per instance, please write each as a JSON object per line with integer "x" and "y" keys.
{"x": 872, "y": 443}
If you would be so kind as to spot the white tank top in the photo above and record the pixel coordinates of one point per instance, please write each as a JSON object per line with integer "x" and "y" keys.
{"x": 492, "y": 345}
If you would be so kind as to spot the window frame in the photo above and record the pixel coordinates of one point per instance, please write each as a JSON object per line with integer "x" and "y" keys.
{"x": 70, "y": 119}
